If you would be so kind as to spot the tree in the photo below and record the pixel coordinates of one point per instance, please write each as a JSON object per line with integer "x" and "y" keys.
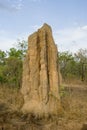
{"x": 22, "y": 47}
{"x": 2, "y": 57}
{"x": 66, "y": 61}
{"x": 11, "y": 65}
{"x": 15, "y": 53}
{"x": 81, "y": 58}
{"x": 13, "y": 72}
{"x": 2, "y": 64}
{"x": 74, "y": 66}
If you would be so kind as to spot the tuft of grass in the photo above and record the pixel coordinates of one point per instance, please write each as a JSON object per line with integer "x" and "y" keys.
{"x": 11, "y": 97}
{"x": 63, "y": 92}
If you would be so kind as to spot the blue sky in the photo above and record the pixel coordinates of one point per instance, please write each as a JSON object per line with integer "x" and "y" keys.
{"x": 68, "y": 19}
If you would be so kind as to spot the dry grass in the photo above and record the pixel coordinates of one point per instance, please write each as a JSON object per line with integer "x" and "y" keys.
{"x": 11, "y": 97}
{"x": 74, "y": 103}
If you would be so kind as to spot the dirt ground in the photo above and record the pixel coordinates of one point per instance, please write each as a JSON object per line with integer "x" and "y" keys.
{"x": 74, "y": 116}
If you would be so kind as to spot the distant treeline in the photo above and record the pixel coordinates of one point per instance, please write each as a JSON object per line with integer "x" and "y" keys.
{"x": 73, "y": 67}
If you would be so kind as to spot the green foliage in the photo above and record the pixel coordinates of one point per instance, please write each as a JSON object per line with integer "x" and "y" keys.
{"x": 2, "y": 57}
{"x": 22, "y": 46}
{"x": 63, "y": 93}
{"x": 81, "y": 55}
{"x": 11, "y": 65}
{"x": 66, "y": 61}
{"x": 13, "y": 71}
{"x": 74, "y": 66}
{"x": 2, "y": 63}
{"x": 81, "y": 59}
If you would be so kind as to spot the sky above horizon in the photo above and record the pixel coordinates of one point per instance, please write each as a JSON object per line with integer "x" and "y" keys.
{"x": 68, "y": 19}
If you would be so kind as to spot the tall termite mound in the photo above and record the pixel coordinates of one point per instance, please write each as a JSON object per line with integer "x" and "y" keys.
{"x": 40, "y": 86}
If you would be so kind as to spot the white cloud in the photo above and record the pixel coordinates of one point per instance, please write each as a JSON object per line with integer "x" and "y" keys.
{"x": 84, "y": 28}
{"x": 68, "y": 39}
{"x": 6, "y": 44}
{"x": 71, "y": 39}
{"x": 10, "y": 5}
{"x": 9, "y": 39}
{"x": 5, "y": 40}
